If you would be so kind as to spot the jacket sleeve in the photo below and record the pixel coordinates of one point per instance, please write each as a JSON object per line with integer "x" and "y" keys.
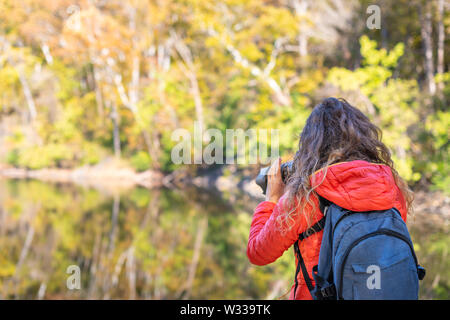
{"x": 266, "y": 241}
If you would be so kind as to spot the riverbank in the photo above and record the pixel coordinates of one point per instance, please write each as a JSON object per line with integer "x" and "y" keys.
{"x": 90, "y": 176}
{"x": 112, "y": 175}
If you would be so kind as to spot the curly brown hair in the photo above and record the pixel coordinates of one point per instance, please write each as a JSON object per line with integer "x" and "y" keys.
{"x": 335, "y": 132}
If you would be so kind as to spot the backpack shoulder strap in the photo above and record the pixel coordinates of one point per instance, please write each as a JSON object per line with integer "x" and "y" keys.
{"x": 313, "y": 229}
{"x": 318, "y": 226}
{"x": 324, "y": 204}
{"x": 301, "y": 265}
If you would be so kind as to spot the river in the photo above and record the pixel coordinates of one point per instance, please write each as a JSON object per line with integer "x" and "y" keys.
{"x": 62, "y": 241}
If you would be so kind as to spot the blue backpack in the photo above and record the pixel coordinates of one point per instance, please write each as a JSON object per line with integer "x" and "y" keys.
{"x": 363, "y": 256}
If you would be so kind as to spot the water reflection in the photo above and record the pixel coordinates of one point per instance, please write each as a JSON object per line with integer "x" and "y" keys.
{"x": 140, "y": 244}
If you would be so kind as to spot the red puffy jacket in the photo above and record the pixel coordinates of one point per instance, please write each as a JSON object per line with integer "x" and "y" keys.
{"x": 356, "y": 185}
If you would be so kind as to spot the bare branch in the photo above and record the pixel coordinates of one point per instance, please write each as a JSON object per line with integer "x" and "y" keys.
{"x": 256, "y": 71}
{"x": 189, "y": 69}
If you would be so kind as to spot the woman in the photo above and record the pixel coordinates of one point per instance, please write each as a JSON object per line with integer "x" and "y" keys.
{"x": 341, "y": 158}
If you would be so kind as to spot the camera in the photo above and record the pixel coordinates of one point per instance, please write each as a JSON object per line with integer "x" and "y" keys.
{"x": 261, "y": 179}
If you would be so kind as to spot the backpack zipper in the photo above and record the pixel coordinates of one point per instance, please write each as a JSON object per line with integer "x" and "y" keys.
{"x": 348, "y": 213}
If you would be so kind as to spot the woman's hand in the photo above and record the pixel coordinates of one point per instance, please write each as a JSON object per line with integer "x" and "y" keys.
{"x": 275, "y": 185}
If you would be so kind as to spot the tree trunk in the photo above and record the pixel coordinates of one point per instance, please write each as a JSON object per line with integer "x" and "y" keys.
{"x": 300, "y": 8}
{"x": 108, "y": 278}
{"x": 302, "y": 45}
{"x": 95, "y": 262}
{"x": 114, "y": 222}
{"x": 202, "y": 227}
{"x": 190, "y": 72}
{"x": 98, "y": 92}
{"x": 131, "y": 273}
{"x": 23, "y": 81}
{"x": 427, "y": 40}
{"x": 28, "y": 95}
{"x": 47, "y": 55}
{"x": 134, "y": 85}
{"x": 197, "y": 101}
{"x": 2, "y": 219}
{"x": 153, "y": 143}
{"x": 116, "y": 130}
{"x": 441, "y": 42}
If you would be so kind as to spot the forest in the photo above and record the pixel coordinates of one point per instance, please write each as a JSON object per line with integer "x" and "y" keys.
{"x": 83, "y": 81}
{"x": 99, "y": 86}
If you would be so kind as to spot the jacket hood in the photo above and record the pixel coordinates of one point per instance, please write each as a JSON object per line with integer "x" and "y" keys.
{"x": 359, "y": 186}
